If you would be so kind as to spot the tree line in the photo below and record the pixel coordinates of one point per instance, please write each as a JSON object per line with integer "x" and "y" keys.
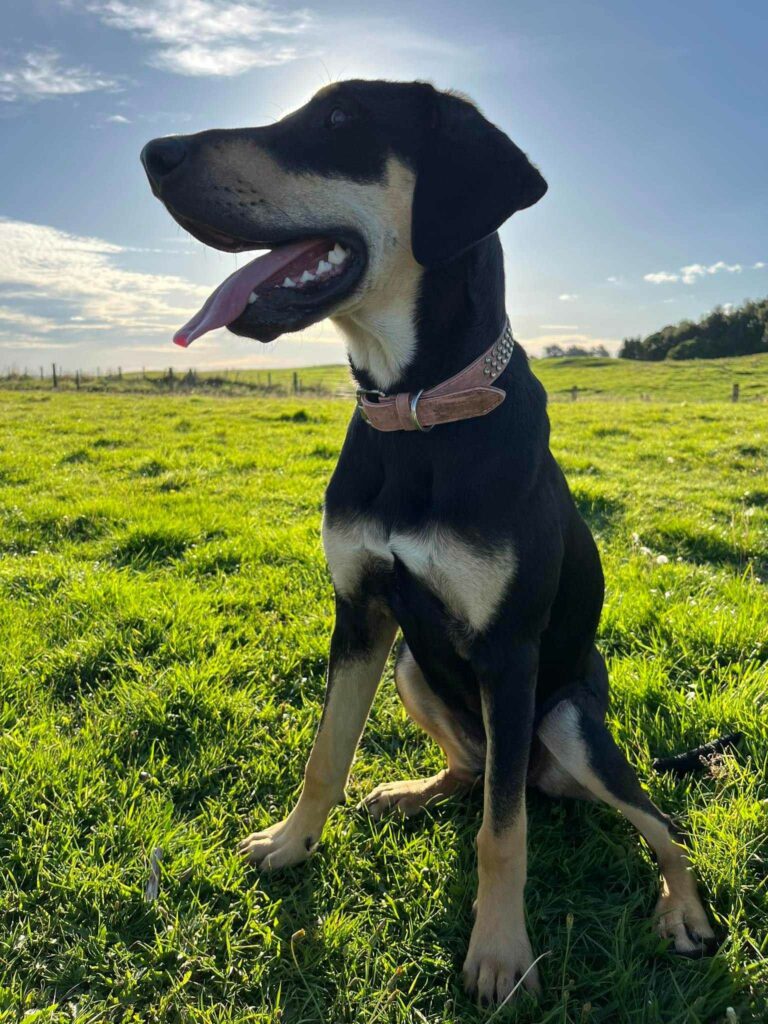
{"x": 723, "y": 332}
{"x": 557, "y": 351}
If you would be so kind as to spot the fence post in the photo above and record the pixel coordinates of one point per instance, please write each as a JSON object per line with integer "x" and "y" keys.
{"x": 119, "y": 373}
{"x": 295, "y": 383}
{"x": 735, "y": 393}
{"x": 574, "y": 393}
{"x": 269, "y": 379}
{"x": 53, "y": 369}
{"x": 41, "y": 373}
{"x": 170, "y": 376}
{"x": 77, "y": 379}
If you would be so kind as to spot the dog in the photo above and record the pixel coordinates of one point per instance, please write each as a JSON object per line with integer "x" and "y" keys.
{"x": 447, "y": 517}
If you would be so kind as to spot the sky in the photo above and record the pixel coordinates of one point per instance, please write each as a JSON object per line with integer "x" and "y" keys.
{"x": 647, "y": 120}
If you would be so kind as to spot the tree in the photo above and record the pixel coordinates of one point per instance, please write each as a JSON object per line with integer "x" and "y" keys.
{"x": 723, "y": 332}
{"x": 553, "y": 352}
{"x": 556, "y": 351}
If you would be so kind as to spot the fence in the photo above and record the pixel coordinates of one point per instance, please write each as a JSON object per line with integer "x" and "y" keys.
{"x": 336, "y": 382}
{"x": 326, "y": 382}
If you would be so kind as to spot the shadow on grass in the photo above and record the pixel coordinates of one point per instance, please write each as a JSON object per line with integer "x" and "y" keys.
{"x": 48, "y": 532}
{"x": 601, "y": 513}
{"x": 706, "y": 547}
{"x": 149, "y": 549}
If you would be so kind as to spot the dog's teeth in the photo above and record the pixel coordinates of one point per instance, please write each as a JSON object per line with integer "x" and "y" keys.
{"x": 252, "y": 298}
{"x": 337, "y": 255}
{"x": 306, "y": 276}
{"x": 323, "y": 267}
{"x": 288, "y": 283}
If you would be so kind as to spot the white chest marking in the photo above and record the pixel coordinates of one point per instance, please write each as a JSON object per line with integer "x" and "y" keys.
{"x": 469, "y": 581}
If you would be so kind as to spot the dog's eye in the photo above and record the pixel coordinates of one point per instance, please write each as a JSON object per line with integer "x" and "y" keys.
{"x": 338, "y": 118}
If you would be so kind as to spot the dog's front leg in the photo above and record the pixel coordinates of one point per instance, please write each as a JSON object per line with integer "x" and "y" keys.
{"x": 362, "y": 638}
{"x": 499, "y": 951}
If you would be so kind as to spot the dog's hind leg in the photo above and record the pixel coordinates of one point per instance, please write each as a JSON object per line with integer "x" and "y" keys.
{"x": 582, "y": 747}
{"x": 464, "y": 755}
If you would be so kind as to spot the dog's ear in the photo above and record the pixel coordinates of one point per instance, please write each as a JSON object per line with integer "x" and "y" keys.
{"x": 470, "y": 178}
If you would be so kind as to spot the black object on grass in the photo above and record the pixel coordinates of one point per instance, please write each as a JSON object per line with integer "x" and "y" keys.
{"x": 696, "y": 760}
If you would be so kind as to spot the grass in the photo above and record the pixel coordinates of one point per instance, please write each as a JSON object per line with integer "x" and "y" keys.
{"x": 164, "y": 619}
{"x": 691, "y": 380}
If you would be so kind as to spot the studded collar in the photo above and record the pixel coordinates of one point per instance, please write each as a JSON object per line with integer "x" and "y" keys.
{"x": 469, "y": 393}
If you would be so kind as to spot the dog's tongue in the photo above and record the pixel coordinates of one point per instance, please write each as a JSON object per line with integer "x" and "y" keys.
{"x": 231, "y": 297}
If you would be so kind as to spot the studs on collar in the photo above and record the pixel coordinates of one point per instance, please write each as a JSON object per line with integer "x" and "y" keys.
{"x": 500, "y": 354}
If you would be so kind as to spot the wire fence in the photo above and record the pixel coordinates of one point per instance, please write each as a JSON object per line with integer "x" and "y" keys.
{"x": 336, "y": 382}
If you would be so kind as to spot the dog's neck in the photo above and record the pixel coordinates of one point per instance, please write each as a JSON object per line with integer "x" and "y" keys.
{"x": 434, "y": 324}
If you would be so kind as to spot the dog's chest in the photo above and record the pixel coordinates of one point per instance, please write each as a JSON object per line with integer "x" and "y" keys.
{"x": 470, "y": 581}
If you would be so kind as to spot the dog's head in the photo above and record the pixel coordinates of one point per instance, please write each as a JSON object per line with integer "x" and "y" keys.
{"x": 363, "y": 186}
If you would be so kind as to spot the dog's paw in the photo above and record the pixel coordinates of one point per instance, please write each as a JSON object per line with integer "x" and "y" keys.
{"x": 684, "y": 921}
{"x": 280, "y": 846}
{"x": 409, "y": 797}
{"x": 495, "y": 964}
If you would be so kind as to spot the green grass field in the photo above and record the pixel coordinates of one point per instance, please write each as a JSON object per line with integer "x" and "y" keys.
{"x": 164, "y": 621}
{"x": 693, "y": 380}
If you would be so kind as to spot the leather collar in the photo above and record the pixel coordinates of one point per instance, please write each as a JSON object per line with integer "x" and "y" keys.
{"x": 467, "y": 394}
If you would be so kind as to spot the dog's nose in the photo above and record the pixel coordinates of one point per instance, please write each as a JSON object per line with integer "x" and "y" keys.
{"x": 161, "y": 156}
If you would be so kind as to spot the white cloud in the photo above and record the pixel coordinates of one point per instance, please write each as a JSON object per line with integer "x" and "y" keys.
{"x": 208, "y": 37}
{"x": 568, "y": 297}
{"x": 661, "y": 277}
{"x": 759, "y": 265}
{"x": 730, "y": 268}
{"x": 613, "y": 279}
{"x": 28, "y": 321}
{"x": 40, "y": 74}
{"x": 117, "y": 119}
{"x": 693, "y": 272}
{"x": 82, "y": 282}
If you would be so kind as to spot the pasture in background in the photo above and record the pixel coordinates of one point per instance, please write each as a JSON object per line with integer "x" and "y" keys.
{"x": 737, "y": 378}
{"x": 165, "y": 618}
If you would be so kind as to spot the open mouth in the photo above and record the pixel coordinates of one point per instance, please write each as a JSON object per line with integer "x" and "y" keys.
{"x": 296, "y": 283}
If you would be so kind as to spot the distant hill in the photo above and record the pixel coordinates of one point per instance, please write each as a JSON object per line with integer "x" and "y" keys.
{"x": 734, "y": 332}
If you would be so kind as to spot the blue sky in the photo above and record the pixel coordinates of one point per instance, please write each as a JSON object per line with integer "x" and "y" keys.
{"x": 648, "y": 121}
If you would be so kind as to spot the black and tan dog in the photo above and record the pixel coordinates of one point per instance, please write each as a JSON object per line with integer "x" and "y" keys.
{"x": 380, "y": 204}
